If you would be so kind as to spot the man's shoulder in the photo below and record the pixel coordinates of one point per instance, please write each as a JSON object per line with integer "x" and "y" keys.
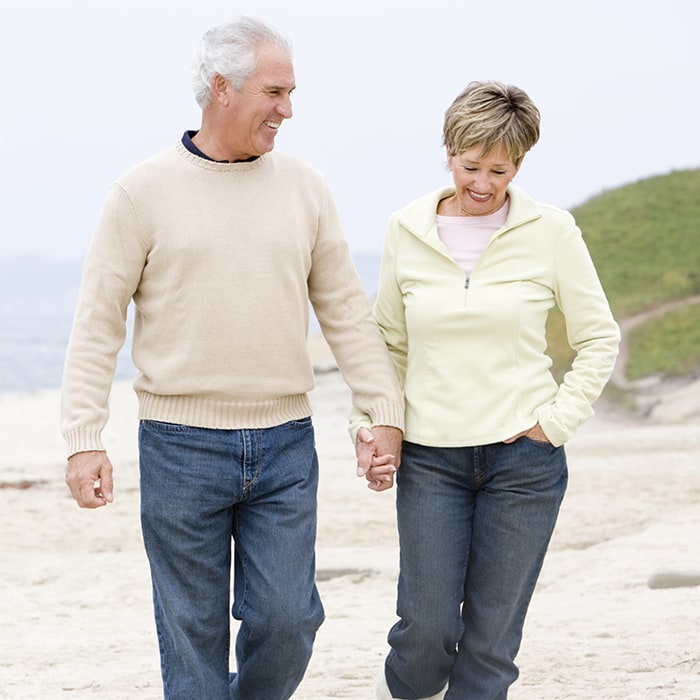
{"x": 162, "y": 159}
{"x": 149, "y": 171}
{"x": 290, "y": 162}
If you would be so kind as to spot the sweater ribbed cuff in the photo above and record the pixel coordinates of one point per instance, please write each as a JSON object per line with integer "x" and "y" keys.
{"x": 83, "y": 441}
{"x": 391, "y": 414}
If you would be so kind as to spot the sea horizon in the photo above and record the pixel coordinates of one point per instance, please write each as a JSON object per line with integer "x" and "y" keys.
{"x": 37, "y": 302}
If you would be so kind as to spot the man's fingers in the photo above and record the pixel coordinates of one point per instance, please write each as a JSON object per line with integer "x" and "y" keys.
{"x": 88, "y": 495}
{"x": 106, "y": 484}
{"x": 89, "y": 478}
{"x": 381, "y": 485}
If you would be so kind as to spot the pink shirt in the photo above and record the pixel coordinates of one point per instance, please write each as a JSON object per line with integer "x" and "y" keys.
{"x": 466, "y": 237}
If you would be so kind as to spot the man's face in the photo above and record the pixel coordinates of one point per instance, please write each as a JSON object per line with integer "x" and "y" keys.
{"x": 257, "y": 111}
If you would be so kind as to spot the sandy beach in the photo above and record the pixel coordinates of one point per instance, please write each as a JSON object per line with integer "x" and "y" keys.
{"x": 616, "y": 614}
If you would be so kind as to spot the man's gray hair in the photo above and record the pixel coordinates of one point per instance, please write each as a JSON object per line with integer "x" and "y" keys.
{"x": 231, "y": 50}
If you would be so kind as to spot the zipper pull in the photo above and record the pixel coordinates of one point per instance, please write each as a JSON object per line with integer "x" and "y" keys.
{"x": 466, "y": 282}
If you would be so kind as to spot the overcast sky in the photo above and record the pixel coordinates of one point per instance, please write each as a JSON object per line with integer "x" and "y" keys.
{"x": 92, "y": 87}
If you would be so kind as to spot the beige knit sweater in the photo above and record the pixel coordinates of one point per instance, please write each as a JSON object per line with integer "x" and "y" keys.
{"x": 221, "y": 261}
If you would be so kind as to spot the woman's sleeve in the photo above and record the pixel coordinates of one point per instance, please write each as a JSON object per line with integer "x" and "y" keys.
{"x": 592, "y": 333}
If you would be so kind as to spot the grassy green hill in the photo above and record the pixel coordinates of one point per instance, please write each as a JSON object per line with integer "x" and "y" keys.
{"x": 645, "y": 240}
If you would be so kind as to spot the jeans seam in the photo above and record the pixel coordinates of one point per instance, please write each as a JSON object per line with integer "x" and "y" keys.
{"x": 242, "y": 554}
{"x": 482, "y": 465}
{"x": 255, "y": 437}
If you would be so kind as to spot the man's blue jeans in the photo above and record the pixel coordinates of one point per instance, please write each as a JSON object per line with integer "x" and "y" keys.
{"x": 201, "y": 489}
{"x": 474, "y": 526}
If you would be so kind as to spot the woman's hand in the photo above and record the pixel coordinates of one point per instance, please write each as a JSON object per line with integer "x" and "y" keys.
{"x": 535, "y": 433}
{"x": 380, "y": 476}
{"x": 378, "y": 455}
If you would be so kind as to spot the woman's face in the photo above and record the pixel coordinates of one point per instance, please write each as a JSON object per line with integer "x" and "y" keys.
{"x": 481, "y": 182}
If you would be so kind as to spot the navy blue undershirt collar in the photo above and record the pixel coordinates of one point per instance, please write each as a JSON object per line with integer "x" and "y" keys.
{"x": 189, "y": 145}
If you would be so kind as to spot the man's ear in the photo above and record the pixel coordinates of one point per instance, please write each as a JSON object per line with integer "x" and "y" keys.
{"x": 219, "y": 87}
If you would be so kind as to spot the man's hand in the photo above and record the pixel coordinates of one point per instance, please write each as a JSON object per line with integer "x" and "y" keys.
{"x": 378, "y": 455}
{"x": 89, "y": 478}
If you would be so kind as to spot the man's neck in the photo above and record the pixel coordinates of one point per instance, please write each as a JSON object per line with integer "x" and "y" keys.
{"x": 212, "y": 150}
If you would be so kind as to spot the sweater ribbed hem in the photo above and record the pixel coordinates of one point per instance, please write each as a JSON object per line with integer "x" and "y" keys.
{"x": 224, "y": 415}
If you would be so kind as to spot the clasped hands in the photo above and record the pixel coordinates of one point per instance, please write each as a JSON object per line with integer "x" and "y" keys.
{"x": 378, "y": 451}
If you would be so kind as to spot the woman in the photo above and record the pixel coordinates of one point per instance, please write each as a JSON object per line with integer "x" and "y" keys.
{"x": 468, "y": 276}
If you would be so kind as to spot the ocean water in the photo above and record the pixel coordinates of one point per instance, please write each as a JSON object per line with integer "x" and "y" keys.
{"x": 33, "y": 349}
{"x": 35, "y": 328}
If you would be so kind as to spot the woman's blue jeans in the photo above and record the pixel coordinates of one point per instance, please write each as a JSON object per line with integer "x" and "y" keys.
{"x": 201, "y": 490}
{"x": 474, "y": 526}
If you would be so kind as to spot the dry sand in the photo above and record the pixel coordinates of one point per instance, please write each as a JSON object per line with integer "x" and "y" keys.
{"x": 616, "y": 613}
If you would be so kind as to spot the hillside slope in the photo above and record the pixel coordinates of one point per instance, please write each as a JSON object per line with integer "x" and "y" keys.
{"x": 645, "y": 240}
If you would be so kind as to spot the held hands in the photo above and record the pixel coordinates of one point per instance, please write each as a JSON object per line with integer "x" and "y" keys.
{"x": 378, "y": 455}
{"x": 89, "y": 478}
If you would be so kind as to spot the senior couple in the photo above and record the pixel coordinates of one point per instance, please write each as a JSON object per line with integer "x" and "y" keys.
{"x": 221, "y": 243}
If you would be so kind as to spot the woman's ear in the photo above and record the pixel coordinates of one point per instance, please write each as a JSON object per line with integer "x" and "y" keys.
{"x": 517, "y": 165}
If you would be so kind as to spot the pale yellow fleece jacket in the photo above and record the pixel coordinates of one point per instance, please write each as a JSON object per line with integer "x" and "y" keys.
{"x": 221, "y": 261}
{"x": 470, "y": 353}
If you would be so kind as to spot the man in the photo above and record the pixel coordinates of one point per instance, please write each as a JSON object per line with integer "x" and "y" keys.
{"x": 222, "y": 244}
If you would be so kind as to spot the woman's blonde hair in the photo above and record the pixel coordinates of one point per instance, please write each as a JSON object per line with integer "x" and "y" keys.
{"x": 491, "y": 114}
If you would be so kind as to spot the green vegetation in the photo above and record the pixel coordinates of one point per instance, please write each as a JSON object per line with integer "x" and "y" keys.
{"x": 667, "y": 345}
{"x": 645, "y": 241}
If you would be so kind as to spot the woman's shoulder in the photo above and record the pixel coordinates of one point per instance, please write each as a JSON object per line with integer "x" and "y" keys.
{"x": 525, "y": 207}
